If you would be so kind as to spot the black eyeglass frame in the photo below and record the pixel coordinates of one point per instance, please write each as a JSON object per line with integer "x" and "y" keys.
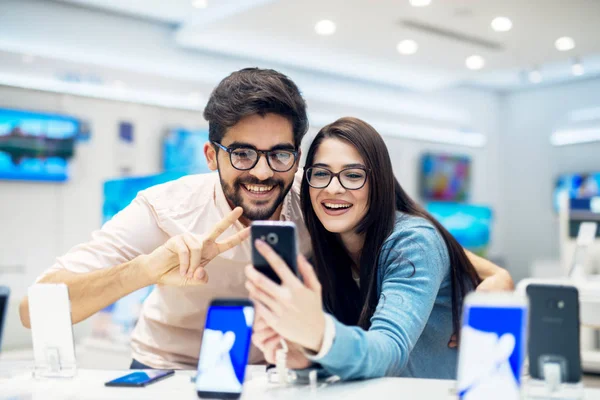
{"x": 336, "y": 175}
{"x": 265, "y": 153}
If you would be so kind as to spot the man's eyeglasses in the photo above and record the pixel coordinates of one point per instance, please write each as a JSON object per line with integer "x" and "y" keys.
{"x": 245, "y": 158}
{"x": 350, "y": 178}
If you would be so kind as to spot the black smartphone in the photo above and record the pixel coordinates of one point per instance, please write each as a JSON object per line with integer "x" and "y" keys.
{"x": 281, "y": 236}
{"x": 554, "y": 330}
{"x": 4, "y": 294}
{"x": 225, "y": 348}
{"x": 140, "y": 378}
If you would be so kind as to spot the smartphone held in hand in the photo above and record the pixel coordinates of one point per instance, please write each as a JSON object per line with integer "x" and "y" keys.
{"x": 281, "y": 236}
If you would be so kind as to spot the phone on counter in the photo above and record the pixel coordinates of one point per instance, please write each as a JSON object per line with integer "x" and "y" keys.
{"x": 492, "y": 346}
{"x": 51, "y": 328}
{"x": 281, "y": 236}
{"x": 225, "y": 349}
{"x": 140, "y": 378}
{"x": 4, "y": 295}
{"x": 554, "y": 327}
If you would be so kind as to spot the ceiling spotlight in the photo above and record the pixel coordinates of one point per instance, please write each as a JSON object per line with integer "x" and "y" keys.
{"x": 535, "y": 76}
{"x": 200, "y": 3}
{"x": 325, "y": 27}
{"x": 407, "y": 47}
{"x": 420, "y": 3}
{"x": 577, "y": 68}
{"x": 501, "y": 24}
{"x": 564, "y": 43}
{"x": 474, "y": 62}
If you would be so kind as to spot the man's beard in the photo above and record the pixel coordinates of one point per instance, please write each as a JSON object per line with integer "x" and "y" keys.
{"x": 259, "y": 210}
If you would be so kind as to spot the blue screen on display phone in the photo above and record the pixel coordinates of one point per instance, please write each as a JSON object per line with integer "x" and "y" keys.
{"x": 492, "y": 350}
{"x": 225, "y": 348}
{"x": 139, "y": 378}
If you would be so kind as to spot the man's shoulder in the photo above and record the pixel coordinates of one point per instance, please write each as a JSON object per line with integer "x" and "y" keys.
{"x": 191, "y": 190}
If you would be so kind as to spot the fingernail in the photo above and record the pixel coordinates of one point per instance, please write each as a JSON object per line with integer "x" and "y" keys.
{"x": 259, "y": 243}
{"x": 200, "y": 274}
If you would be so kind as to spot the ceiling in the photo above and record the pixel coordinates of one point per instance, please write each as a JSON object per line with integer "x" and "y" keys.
{"x": 364, "y": 44}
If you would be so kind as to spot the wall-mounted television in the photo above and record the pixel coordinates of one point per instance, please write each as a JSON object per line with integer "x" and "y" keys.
{"x": 445, "y": 177}
{"x": 183, "y": 151}
{"x": 578, "y": 186}
{"x": 471, "y": 225}
{"x": 36, "y": 146}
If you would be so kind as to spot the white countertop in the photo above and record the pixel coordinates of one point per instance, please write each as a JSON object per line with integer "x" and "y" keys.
{"x": 89, "y": 384}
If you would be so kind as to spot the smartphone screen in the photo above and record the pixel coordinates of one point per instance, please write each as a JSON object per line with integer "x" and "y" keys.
{"x": 225, "y": 348}
{"x": 140, "y": 378}
{"x": 3, "y": 309}
{"x": 492, "y": 348}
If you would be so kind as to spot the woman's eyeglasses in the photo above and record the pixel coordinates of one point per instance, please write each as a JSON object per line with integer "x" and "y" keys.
{"x": 350, "y": 178}
{"x": 245, "y": 158}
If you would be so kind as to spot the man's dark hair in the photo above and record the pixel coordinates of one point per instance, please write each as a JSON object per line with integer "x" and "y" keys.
{"x": 255, "y": 91}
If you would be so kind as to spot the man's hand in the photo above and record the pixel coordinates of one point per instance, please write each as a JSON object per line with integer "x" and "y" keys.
{"x": 181, "y": 260}
{"x": 268, "y": 341}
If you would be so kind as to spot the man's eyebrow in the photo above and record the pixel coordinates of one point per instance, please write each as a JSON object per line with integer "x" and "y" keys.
{"x": 280, "y": 146}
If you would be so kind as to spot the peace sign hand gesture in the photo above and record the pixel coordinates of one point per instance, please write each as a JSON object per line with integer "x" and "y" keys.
{"x": 181, "y": 260}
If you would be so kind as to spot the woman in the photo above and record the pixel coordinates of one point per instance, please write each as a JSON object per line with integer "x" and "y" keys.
{"x": 392, "y": 278}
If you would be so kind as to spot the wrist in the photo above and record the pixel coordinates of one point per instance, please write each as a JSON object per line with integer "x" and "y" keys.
{"x": 141, "y": 271}
{"x": 317, "y": 342}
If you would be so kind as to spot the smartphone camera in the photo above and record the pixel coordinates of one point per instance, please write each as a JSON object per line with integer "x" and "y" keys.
{"x": 271, "y": 238}
{"x": 554, "y": 304}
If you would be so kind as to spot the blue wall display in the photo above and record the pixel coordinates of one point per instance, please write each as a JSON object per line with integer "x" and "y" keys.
{"x": 183, "y": 151}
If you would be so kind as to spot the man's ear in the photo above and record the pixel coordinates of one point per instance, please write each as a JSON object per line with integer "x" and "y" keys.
{"x": 211, "y": 156}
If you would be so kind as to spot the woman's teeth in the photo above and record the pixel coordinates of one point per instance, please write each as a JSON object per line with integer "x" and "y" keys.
{"x": 331, "y": 205}
{"x": 258, "y": 188}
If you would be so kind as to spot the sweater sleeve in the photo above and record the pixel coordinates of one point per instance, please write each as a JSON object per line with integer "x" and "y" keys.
{"x": 414, "y": 263}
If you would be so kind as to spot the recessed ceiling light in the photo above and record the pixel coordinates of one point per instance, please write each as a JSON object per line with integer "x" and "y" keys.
{"x": 325, "y": 27}
{"x": 475, "y": 62}
{"x": 577, "y": 68}
{"x": 420, "y": 3}
{"x": 501, "y": 24}
{"x": 407, "y": 47}
{"x": 200, "y": 3}
{"x": 535, "y": 76}
{"x": 564, "y": 43}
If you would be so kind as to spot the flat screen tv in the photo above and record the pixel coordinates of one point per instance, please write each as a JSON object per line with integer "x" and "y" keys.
{"x": 471, "y": 225}
{"x": 445, "y": 177}
{"x": 578, "y": 186}
{"x": 36, "y": 146}
{"x": 183, "y": 151}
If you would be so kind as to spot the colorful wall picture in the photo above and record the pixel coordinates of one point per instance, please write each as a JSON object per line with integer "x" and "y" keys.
{"x": 445, "y": 177}
{"x": 578, "y": 186}
{"x": 471, "y": 225}
{"x": 36, "y": 146}
{"x": 183, "y": 151}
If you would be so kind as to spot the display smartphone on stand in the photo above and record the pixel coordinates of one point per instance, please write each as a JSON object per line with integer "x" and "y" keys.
{"x": 140, "y": 378}
{"x": 281, "y": 236}
{"x": 492, "y": 346}
{"x": 554, "y": 329}
{"x": 51, "y": 330}
{"x": 225, "y": 349}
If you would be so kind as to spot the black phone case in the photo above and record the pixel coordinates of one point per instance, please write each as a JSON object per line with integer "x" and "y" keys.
{"x": 554, "y": 330}
{"x": 285, "y": 247}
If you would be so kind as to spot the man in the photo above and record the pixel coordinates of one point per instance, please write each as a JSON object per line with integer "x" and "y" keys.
{"x": 170, "y": 234}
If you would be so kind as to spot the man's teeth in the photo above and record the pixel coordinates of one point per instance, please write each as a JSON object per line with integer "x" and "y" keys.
{"x": 331, "y": 205}
{"x": 258, "y": 188}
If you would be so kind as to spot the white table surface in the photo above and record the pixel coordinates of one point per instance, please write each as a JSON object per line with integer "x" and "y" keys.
{"x": 89, "y": 384}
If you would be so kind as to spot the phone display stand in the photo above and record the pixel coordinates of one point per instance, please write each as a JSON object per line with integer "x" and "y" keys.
{"x": 585, "y": 237}
{"x": 54, "y": 366}
{"x": 553, "y": 386}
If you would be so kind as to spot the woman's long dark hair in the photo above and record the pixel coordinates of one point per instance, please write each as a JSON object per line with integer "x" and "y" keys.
{"x": 341, "y": 295}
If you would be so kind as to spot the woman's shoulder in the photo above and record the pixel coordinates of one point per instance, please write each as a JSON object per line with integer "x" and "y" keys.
{"x": 414, "y": 234}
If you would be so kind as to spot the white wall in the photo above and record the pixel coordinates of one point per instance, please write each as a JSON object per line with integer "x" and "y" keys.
{"x": 529, "y": 166}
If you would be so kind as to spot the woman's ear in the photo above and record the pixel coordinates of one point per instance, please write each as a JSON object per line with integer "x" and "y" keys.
{"x": 211, "y": 156}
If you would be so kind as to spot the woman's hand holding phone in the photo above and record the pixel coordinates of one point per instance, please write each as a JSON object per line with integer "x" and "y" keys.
{"x": 293, "y": 309}
{"x": 181, "y": 260}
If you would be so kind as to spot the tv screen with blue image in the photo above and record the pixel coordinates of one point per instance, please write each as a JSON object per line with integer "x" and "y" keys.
{"x": 445, "y": 177}
{"x": 36, "y": 146}
{"x": 183, "y": 151}
{"x": 470, "y": 225}
{"x": 578, "y": 186}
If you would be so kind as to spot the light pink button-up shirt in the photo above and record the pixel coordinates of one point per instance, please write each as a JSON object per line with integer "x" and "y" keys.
{"x": 169, "y": 331}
